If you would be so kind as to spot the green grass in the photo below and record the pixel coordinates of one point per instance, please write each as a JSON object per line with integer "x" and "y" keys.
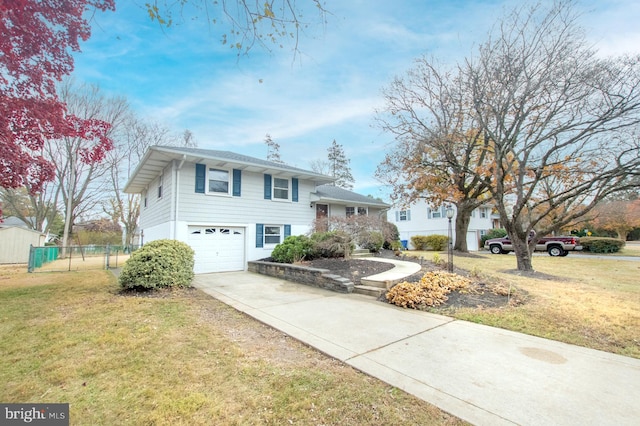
{"x": 585, "y": 301}
{"x": 183, "y": 358}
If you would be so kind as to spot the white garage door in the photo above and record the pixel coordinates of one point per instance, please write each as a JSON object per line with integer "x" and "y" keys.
{"x": 472, "y": 241}
{"x": 217, "y": 248}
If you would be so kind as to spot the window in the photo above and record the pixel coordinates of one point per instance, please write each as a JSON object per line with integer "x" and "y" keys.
{"x": 160, "y": 179}
{"x": 483, "y": 213}
{"x": 404, "y": 215}
{"x": 351, "y": 211}
{"x": 280, "y": 189}
{"x": 218, "y": 181}
{"x": 144, "y": 200}
{"x": 272, "y": 234}
{"x": 438, "y": 213}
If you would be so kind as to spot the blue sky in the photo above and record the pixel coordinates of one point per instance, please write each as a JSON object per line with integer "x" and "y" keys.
{"x": 184, "y": 78}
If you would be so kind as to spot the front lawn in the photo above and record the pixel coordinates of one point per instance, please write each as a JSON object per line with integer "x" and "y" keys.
{"x": 581, "y": 300}
{"x": 176, "y": 358}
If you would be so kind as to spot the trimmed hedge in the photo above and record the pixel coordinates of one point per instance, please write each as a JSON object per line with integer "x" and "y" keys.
{"x": 158, "y": 264}
{"x": 601, "y": 244}
{"x": 429, "y": 242}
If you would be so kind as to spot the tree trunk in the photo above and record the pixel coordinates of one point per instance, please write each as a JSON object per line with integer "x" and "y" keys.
{"x": 522, "y": 250}
{"x": 463, "y": 218}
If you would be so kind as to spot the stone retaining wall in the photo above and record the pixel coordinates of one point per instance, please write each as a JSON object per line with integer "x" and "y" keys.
{"x": 315, "y": 277}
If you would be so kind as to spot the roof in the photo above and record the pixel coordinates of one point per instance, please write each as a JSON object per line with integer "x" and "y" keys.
{"x": 4, "y": 227}
{"x": 158, "y": 157}
{"x": 14, "y": 221}
{"x": 332, "y": 193}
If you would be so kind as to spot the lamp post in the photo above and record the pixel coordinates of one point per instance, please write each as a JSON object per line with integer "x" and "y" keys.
{"x": 450, "y": 213}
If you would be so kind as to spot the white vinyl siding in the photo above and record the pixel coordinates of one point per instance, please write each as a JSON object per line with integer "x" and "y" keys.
{"x": 250, "y": 208}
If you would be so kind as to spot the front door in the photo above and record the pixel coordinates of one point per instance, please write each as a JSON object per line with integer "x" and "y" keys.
{"x": 322, "y": 217}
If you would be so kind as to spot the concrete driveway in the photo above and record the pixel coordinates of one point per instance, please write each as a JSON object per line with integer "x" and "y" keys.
{"x": 484, "y": 375}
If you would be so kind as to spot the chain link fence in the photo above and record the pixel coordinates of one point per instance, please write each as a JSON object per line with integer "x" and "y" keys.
{"x": 76, "y": 258}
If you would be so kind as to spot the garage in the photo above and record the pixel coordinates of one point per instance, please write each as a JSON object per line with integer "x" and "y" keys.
{"x": 217, "y": 248}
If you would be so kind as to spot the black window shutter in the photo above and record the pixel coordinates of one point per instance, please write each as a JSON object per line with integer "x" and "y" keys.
{"x": 267, "y": 187}
{"x": 259, "y": 235}
{"x": 237, "y": 182}
{"x": 294, "y": 189}
{"x": 201, "y": 175}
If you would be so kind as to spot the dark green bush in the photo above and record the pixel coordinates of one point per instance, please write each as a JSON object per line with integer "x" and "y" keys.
{"x": 293, "y": 249}
{"x": 371, "y": 240}
{"x": 158, "y": 264}
{"x": 332, "y": 244}
{"x": 493, "y": 233}
{"x": 429, "y": 242}
{"x": 601, "y": 244}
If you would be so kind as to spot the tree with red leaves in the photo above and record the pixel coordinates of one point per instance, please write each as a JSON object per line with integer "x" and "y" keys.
{"x": 36, "y": 42}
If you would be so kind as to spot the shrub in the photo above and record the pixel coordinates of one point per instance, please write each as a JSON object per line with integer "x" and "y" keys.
{"x": 371, "y": 240}
{"x": 429, "y": 242}
{"x": 437, "y": 242}
{"x": 419, "y": 242}
{"x": 601, "y": 244}
{"x": 493, "y": 233}
{"x": 332, "y": 244}
{"x": 158, "y": 264}
{"x": 391, "y": 236}
{"x": 292, "y": 249}
{"x": 432, "y": 290}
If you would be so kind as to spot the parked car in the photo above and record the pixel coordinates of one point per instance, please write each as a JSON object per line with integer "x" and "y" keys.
{"x": 555, "y": 246}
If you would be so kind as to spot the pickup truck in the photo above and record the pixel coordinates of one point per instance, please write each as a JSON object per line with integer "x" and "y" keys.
{"x": 555, "y": 246}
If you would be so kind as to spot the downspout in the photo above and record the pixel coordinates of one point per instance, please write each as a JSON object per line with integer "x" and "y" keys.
{"x": 177, "y": 196}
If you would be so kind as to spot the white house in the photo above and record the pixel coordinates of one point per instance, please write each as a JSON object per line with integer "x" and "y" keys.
{"x": 420, "y": 219}
{"x": 232, "y": 208}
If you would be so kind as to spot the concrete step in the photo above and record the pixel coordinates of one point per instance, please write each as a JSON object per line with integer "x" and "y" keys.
{"x": 372, "y": 283}
{"x": 368, "y": 290}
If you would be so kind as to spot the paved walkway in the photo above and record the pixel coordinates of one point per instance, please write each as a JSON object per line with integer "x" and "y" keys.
{"x": 484, "y": 375}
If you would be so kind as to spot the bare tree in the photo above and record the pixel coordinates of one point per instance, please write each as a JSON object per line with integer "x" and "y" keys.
{"x": 560, "y": 120}
{"x": 36, "y": 209}
{"x": 79, "y": 171}
{"x": 321, "y": 166}
{"x": 339, "y": 166}
{"x": 265, "y": 24}
{"x": 273, "y": 149}
{"x": 439, "y": 145}
{"x": 132, "y": 141}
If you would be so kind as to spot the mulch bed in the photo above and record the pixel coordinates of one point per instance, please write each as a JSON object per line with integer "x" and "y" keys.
{"x": 480, "y": 295}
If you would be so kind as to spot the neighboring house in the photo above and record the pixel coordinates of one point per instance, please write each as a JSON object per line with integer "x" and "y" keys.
{"x": 232, "y": 208}
{"x": 420, "y": 219}
{"x": 15, "y": 241}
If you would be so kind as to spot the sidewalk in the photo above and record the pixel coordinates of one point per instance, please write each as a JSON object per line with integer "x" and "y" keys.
{"x": 484, "y": 375}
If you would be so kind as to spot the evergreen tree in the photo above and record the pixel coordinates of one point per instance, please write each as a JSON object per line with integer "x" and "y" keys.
{"x": 339, "y": 166}
{"x": 273, "y": 150}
